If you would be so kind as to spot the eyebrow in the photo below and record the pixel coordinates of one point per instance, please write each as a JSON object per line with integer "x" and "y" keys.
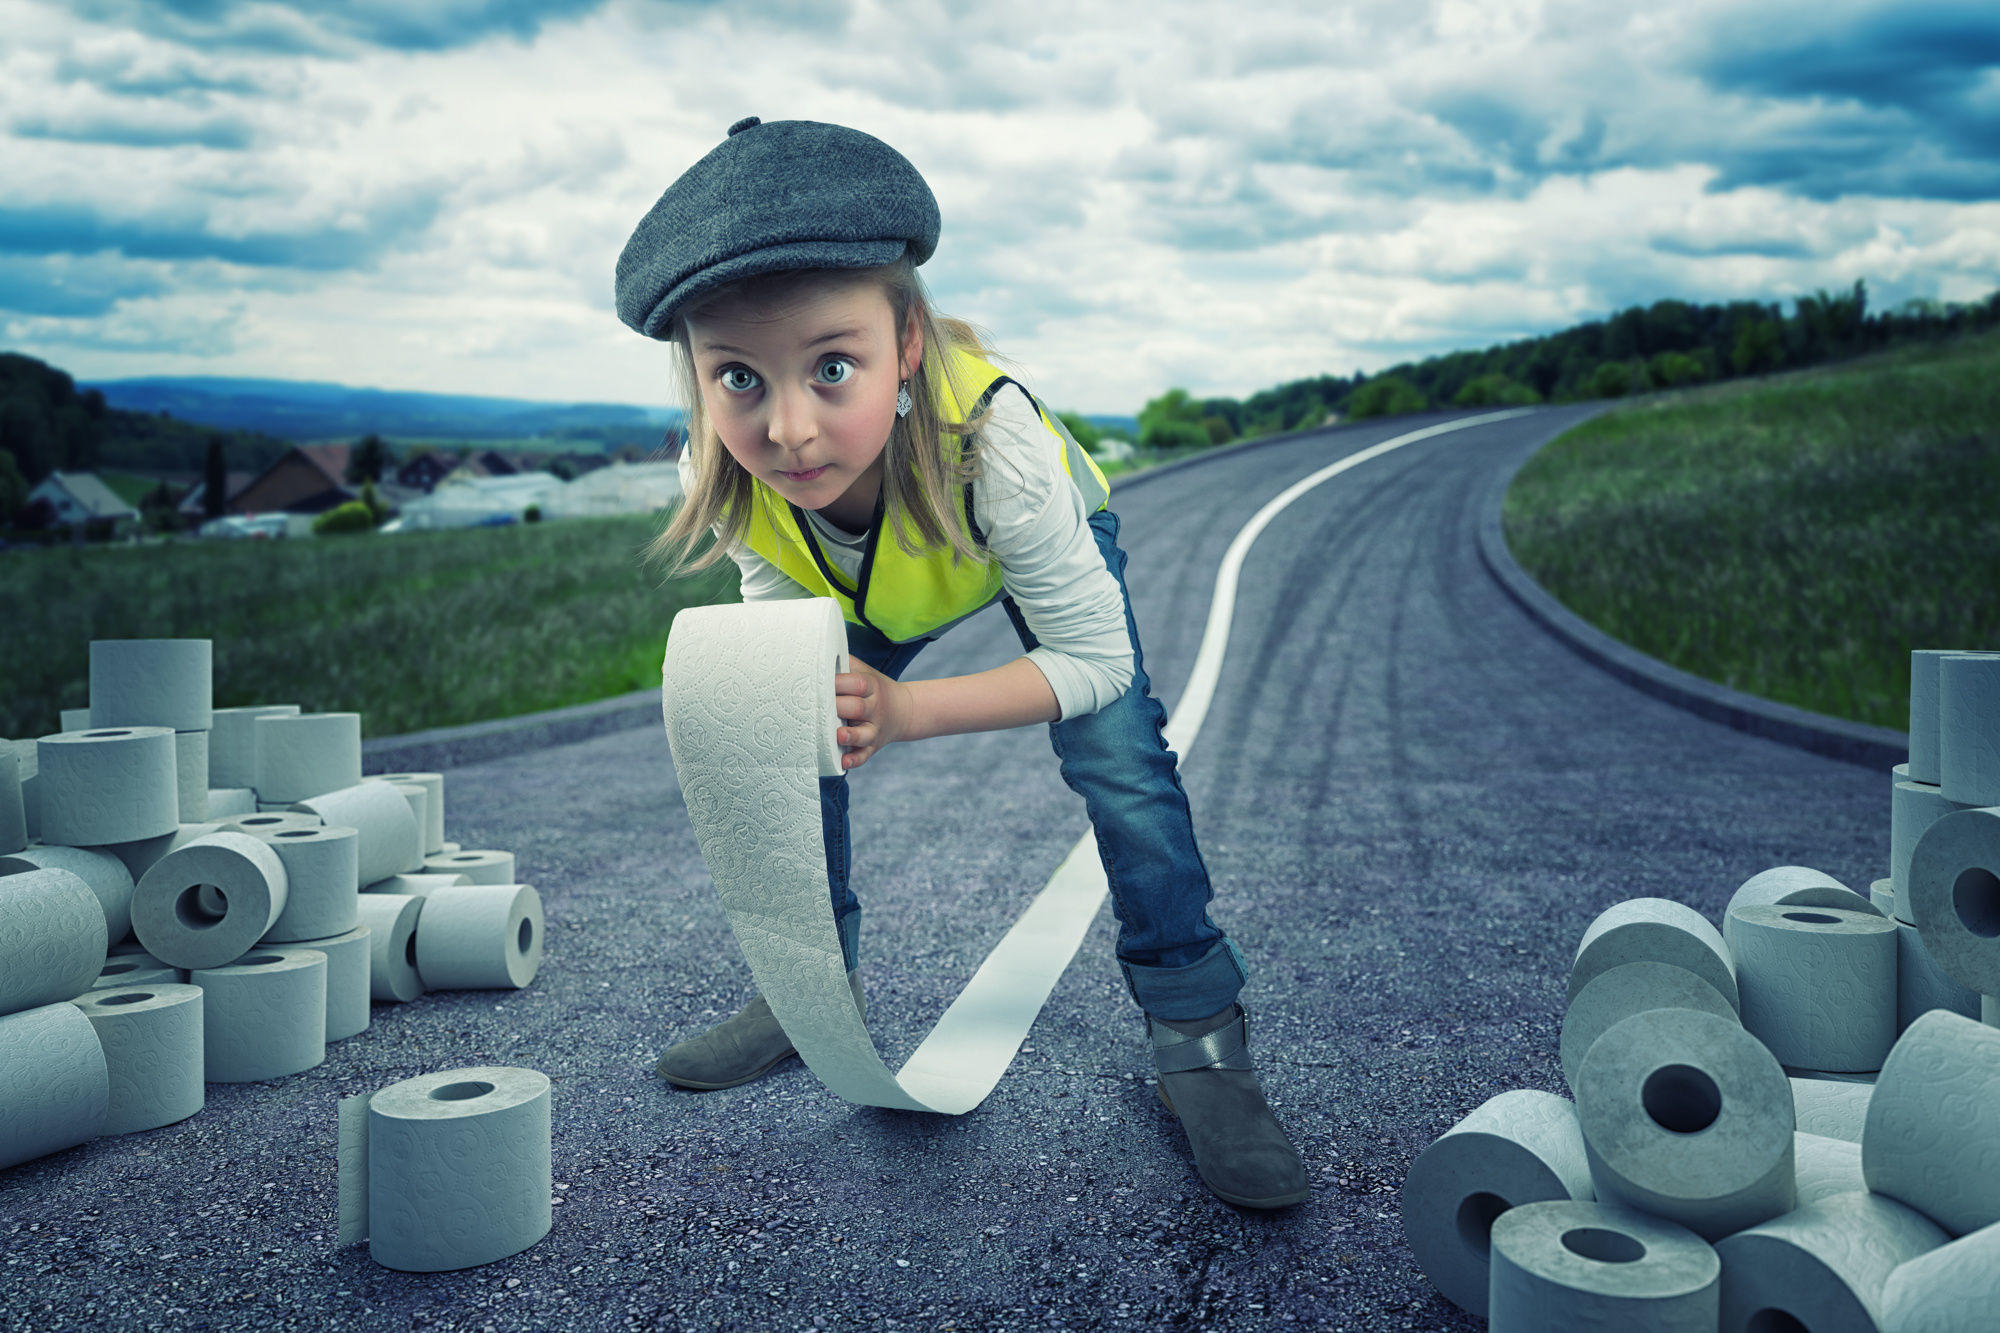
{"x": 823, "y": 338}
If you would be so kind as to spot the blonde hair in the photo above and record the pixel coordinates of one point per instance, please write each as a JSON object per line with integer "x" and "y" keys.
{"x": 921, "y": 478}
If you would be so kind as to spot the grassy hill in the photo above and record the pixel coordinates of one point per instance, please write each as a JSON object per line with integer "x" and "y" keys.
{"x": 1793, "y": 536}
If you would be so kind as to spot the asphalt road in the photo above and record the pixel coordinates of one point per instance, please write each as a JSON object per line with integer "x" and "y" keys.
{"x": 1410, "y": 799}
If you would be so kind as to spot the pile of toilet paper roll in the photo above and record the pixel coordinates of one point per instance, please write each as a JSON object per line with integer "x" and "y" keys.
{"x": 194, "y": 895}
{"x": 1792, "y": 1122}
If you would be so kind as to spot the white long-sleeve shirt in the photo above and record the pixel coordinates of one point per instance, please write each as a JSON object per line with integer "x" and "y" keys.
{"x": 1032, "y": 515}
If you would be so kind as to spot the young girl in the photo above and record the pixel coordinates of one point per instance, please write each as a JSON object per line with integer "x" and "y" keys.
{"x": 832, "y": 414}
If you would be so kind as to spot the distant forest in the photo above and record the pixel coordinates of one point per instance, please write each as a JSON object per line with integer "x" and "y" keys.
{"x": 1665, "y": 345}
{"x": 46, "y": 423}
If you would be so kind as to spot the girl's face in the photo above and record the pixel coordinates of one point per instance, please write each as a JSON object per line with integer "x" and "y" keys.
{"x": 809, "y": 387}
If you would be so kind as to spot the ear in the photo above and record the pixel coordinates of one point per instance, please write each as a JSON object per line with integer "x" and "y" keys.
{"x": 913, "y": 345}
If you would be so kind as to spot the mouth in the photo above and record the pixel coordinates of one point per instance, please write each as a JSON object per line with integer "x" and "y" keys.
{"x": 806, "y": 476}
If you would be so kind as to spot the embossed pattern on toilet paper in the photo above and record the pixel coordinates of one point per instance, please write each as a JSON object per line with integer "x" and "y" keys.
{"x": 747, "y": 698}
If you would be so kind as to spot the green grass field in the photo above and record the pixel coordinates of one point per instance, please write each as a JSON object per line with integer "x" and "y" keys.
{"x": 411, "y": 630}
{"x": 1793, "y": 536}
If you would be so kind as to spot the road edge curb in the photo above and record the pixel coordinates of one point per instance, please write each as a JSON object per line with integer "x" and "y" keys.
{"x": 1836, "y": 738}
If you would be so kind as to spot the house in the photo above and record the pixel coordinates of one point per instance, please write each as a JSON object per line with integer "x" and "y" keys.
{"x": 426, "y": 470}
{"x": 309, "y": 479}
{"x": 77, "y": 498}
{"x": 485, "y": 463}
{"x": 193, "y": 508}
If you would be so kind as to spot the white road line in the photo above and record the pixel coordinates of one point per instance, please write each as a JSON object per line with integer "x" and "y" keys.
{"x": 977, "y": 1036}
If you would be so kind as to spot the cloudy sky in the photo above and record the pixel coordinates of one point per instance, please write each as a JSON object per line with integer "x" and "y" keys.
{"x": 432, "y": 194}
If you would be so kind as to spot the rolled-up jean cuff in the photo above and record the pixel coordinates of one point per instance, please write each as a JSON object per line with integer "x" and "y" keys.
{"x": 850, "y": 938}
{"x": 1206, "y": 986}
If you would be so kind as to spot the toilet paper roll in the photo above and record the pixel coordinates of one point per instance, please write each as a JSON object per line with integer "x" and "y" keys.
{"x": 347, "y": 992}
{"x": 458, "y": 1167}
{"x": 153, "y": 1054}
{"x": 191, "y": 775}
{"x": 388, "y": 840}
{"x": 1946, "y": 1290}
{"x": 264, "y": 1015}
{"x": 1882, "y": 893}
{"x": 1969, "y": 728}
{"x": 1923, "y": 766}
{"x": 168, "y": 915}
{"x": 1934, "y": 1121}
{"x": 232, "y": 743}
{"x": 1517, "y": 1147}
{"x": 1830, "y": 1076}
{"x": 449, "y": 846}
{"x": 57, "y": 1089}
{"x": 121, "y": 972}
{"x": 104, "y": 873}
{"x": 1831, "y": 1110}
{"x": 1912, "y": 810}
{"x": 264, "y": 823}
{"x": 1823, "y": 1264}
{"x": 51, "y": 939}
{"x": 433, "y": 808}
{"x": 26, "y": 759}
{"x": 1564, "y": 1265}
{"x": 418, "y": 797}
{"x": 1823, "y": 1167}
{"x": 13, "y": 813}
{"x": 1798, "y": 886}
{"x": 1954, "y": 896}
{"x": 322, "y": 879}
{"x": 1632, "y": 988}
{"x": 478, "y": 867}
{"x": 1689, "y": 1117}
{"x": 227, "y": 801}
{"x": 1924, "y": 712}
{"x": 391, "y": 919}
{"x": 480, "y": 937}
{"x": 747, "y": 698}
{"x": 74, "y": 719}
{"x": 142, "y": 854}
{"x": 419, "y": 884}
{"x": 112, "y": 784}
{"x": 1921, "y": 985}
{"x": 1818, "y": 984}
{"x": 1989, "y": 1010}
{"x": 1656, "y": 930}
{"x": 151, "y": 683}
{"x": 305, "y": 755}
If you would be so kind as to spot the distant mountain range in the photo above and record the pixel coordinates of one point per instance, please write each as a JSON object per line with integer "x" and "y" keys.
{"x": 307, "y": 410}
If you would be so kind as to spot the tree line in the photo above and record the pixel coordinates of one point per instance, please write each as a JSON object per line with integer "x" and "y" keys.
{"x": 1665, "y": 345}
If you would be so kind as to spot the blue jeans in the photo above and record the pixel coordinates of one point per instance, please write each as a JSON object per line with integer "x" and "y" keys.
{"x": 1178, "y": 964}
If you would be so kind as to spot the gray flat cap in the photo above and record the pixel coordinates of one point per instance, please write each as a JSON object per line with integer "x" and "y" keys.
{"x": 790, "y": 194}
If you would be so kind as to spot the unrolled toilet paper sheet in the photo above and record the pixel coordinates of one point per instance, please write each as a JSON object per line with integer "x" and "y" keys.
{"x": 748, "y": 701}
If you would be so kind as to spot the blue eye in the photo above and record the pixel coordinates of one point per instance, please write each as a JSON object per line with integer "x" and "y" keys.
{"x": 726, "y": 371}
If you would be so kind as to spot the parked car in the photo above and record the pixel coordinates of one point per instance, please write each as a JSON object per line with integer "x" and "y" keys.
{"x": 251, "y": 526}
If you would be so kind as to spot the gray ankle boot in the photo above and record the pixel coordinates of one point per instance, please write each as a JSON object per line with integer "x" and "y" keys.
{"x": 738, "y": 1049}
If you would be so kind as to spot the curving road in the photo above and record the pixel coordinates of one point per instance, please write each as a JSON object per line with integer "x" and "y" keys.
{"x": 1410, "y": 799}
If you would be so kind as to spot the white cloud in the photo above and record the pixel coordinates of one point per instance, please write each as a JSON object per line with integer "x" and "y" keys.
{"x": 1133, "y": 196}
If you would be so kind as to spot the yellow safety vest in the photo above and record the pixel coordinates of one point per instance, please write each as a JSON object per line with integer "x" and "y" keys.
{"x": 904, "y": 597}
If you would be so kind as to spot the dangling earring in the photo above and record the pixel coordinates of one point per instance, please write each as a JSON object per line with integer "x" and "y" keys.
{"x": 903, "y": 402}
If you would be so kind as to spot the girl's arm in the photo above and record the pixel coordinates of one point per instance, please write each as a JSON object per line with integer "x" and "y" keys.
{"x": 876, "y": 711}
{"x": 1014, "y": 695}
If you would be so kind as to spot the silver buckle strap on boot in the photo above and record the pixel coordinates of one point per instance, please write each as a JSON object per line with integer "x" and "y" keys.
{"x": 1227, "y": 1047}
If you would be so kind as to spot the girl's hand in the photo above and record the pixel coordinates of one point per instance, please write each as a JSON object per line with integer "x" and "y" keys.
{"x": 874, "y": 709}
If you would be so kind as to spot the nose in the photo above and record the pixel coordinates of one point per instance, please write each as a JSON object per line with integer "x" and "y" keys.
{"x": 792, "y": 422}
